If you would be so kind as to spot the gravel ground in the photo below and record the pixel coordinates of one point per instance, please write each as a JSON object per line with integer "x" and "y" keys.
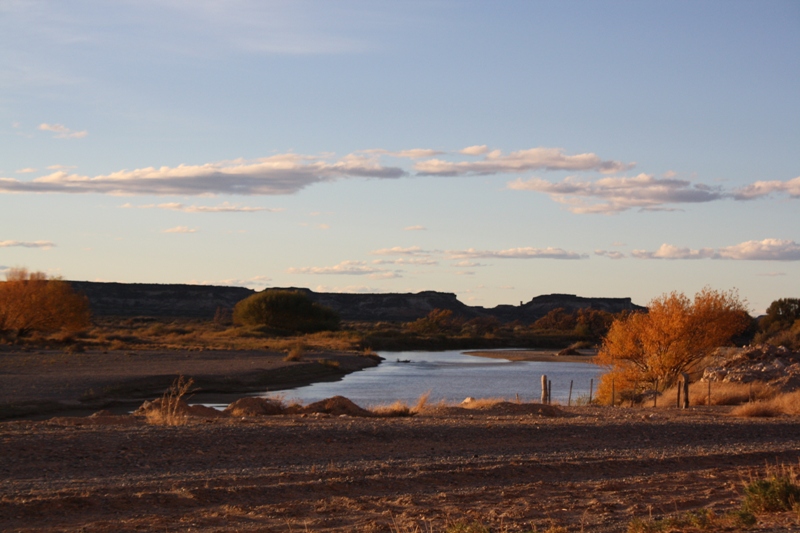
{"x": 586, "y": 469}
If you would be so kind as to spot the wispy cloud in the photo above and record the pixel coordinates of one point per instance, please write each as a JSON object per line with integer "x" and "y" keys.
{"x": 761, "y": 189}
{"x": 180, "y": 229}
{"x": 613, "y": 195}
{"x": 475, "y": 150}
{"x": 415, "y": 228}
{"x": 26, "y": 171}
{"x": 413, "y": 153}
{"x": 27, "y": 244}
{"x": 419, "y": 261}
{"x": 765, "y": 250}
{"x": 515, "y": 253}
{"x": 611, "y": 254}
{"x": 466, "y": 263}
{"x": 63, "y": 132}
{"x": 399, "y": 250}
{"x": 279, "y": 174}
{"x": 224, "y": 207}
{"x": 348, "y": 268}
{"x": 496, "y": 162}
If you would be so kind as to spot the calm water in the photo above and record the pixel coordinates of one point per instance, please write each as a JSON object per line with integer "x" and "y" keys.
{"x": 451, "y": 376}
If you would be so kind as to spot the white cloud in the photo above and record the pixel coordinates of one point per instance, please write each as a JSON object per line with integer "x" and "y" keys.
{"x": 772, "y": 274}
{"x": 496, "y": 162}
{"x": 465, "y": 273}
{"x": 406, "y": 261}
{"x": 63, "y": 132}
{"x": 475, "y": 150}
{"x": 610, "y": 254}
{"x": 61, "y": 167}
{"x": 347, "y": 268}
{"x": 224, "y": 207}
{"x": 279, "y": 174}
{"x": 399, "y": 250}
{"x": 515, "y": 253}
{"x": 26, "y": 170}
{"x": 761, "y": 189}
{"x": 180, "y": 229}
{"x": 27, "y": 244}
{"x": 765, "y": 250}
{"x": 613, "y": 195}
{"x": 415, "y": 228}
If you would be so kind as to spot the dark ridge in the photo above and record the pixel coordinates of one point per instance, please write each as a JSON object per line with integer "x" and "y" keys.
{"x": 202, "y": 301}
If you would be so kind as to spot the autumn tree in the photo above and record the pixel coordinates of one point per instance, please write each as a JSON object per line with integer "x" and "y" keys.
{"x": 289, "y": 311}
{"x": 673, "y": 337}
{"x": 30, "y": 301}
{"x": 438, "y": 321}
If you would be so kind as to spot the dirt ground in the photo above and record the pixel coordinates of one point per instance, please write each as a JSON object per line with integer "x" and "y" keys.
{"x": 586, "y": 469}
{"x": 45, "y": 382}
{"x": 511, "y": 467}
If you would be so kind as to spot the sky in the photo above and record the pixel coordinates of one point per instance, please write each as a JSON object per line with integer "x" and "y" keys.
{"x": 495, "y": 150}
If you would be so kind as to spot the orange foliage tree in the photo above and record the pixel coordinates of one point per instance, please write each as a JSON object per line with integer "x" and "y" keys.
{"x": 30, "y": 301}
{"x": 677, "y": 333}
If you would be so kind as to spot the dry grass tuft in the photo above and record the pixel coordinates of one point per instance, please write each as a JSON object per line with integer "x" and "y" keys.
{"x": 783, "y": 404}
{"x": 722, "y": 393}
{"x": 401, "y": 408}
{"x": 295, "y": 353}
{"x": 171, "y": 411}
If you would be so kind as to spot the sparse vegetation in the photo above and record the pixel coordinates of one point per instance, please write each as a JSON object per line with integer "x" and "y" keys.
{"x": 782, "y": 404}
{"x": 170, "y": 409}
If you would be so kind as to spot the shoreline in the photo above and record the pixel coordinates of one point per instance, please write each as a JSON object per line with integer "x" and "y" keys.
{"x": 44, "y": 383}
{"x": 538, "y": 356}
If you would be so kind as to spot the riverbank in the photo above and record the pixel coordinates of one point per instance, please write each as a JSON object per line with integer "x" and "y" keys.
{"x": 541, "y": 356}
{"x": 39, "y": 383}
{"x": 503, "y": 467}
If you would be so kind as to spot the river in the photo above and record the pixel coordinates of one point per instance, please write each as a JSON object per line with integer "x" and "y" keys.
{"x": 451, "y": 376}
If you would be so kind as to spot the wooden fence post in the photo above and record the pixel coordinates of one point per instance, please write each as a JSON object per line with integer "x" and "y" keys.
{"x": 544, "y": 388}
{"x": 685, "y": 379}
{"x": 591, "y": 386}
{"x": 569, "y": 398}
{"x": 655, "y": 395}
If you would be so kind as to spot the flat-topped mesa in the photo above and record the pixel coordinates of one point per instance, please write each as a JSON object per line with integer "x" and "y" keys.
{"x": 202, "y": 301}
{"x": 541, "y": 305}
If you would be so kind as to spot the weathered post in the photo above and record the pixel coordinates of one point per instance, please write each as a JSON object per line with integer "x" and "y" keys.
{"x": 569, "y": 398}
{"x": 544, "y": 388}
{"x": 685, "y": 385}
{"x": 678, "y": 401}
{"x": 655, "y": 394}
{"x": 591, "y": 386}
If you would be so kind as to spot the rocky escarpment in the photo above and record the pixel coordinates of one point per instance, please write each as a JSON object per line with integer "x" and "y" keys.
{"x": 775, "y": 365}
{"x": 203, "y": 301}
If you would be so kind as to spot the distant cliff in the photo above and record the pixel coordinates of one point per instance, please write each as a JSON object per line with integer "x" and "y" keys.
{"x": 202, "y": 301}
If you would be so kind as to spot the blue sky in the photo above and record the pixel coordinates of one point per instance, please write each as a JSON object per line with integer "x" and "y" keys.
{"x": 497, "y": 150}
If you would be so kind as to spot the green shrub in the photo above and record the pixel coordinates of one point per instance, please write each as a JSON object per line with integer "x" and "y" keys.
{"x": 285, "y": 311}
{"x": 778, "y": 493}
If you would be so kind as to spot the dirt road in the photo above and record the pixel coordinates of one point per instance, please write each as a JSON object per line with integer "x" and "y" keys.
{"x": 592, "y": 469}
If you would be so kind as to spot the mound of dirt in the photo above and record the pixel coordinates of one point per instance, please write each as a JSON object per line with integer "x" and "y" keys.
{"x": 569, "y": 351}
{"x": 336, "y": 406}
{"x": 254, "y": 407}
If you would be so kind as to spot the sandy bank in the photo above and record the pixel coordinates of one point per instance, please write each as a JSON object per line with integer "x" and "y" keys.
{"x": 48, "y": 381}
{"x": 547, "y": 356}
